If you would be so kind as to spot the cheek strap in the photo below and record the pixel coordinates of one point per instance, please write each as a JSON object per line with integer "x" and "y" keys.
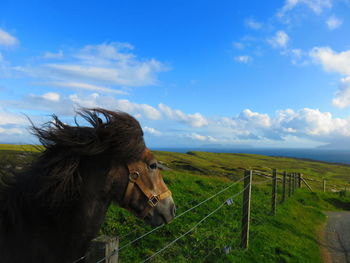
{"x": 152, "y": 199}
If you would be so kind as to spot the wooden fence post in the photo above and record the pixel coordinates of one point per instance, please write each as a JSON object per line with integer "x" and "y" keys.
{"x": 300, "y": 175}
{"x": 103, "y": 247}
{"x": 324, "y": 185}
{"x": 274, "y": 192}
{"x": 246, "y": 208}
{"x": 290, "y": 185}
{"x": 293, "y": 183}
{"x": 284, "y": 187}
{"x": 308, "y": 186}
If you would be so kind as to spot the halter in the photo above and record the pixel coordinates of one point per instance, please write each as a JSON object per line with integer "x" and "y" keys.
{"x": 153, "y": 200}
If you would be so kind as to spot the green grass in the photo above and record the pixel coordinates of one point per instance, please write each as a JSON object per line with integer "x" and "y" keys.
{"x": 20, "y": 148}
{"x": 290, "y": 236}
{"x": 228, "y": 164}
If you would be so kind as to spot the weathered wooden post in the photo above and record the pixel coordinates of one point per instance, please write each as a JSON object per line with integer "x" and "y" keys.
{"x": 293, "y": 183}
{"x": 274, "y": 192}
{"x": 299, "y": 181}
{"x": 103, "y": 250}
{"x": 290, "y": 185}
{"x": 284, "y": 187}
{"x": 324, "y": 185}
{"x": 246, "y": 208}
{"x": 308, "y": 186}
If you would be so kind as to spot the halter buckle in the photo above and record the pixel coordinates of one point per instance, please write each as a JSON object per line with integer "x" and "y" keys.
{"x": 153, "y": 201}
{"x": 133, "y": 176}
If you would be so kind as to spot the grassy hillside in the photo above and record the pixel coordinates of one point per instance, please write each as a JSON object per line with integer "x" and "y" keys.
{"x": 231, "y": 164}
{"x": 290, "y": 236}
{"x": 20, "y": 148}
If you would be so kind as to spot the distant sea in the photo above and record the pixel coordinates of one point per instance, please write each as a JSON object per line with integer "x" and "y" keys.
{"x": 333, "y": 156}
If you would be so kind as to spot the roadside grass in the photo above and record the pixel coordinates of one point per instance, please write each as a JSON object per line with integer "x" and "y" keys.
{"x": 290, "y": 236}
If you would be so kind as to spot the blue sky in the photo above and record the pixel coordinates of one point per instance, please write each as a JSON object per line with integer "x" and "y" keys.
{"x": 260, "y": 73}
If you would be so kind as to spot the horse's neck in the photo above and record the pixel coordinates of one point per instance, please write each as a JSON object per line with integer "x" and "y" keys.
{"x": 63, "y": 238}
{"x": 83, "y": 225}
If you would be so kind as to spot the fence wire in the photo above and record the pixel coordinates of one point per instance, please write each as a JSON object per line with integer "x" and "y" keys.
{"x": 183, "y": 213}
{"x": 180, "y": 215}
{"x": 192, "y": 228}
{"x": 233, "y": 242}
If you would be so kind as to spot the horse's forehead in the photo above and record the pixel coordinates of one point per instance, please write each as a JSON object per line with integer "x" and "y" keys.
{"x": 147, "y": 155}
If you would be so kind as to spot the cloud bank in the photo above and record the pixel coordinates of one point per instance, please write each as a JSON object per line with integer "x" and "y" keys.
{"x": 339, "y": 62}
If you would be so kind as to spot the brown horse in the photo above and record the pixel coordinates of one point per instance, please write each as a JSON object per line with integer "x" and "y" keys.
{"x": 50, "y": 212}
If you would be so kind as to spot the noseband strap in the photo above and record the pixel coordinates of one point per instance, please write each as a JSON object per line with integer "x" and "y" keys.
{"x": 152, "y": 199}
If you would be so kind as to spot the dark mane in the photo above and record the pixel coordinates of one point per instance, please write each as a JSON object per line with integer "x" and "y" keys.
{"x": 54, "y": 177}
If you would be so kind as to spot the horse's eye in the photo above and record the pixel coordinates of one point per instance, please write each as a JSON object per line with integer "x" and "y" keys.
{"x": 153, "y": 166}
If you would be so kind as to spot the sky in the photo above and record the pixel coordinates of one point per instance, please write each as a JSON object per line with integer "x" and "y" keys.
{"x": 194, "y": 73}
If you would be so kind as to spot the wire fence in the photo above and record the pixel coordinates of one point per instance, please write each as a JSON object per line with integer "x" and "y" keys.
{"x": 202, "y": 249}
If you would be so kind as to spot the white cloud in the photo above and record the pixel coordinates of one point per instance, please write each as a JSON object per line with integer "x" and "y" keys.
{"x": 202, "y": 138}
{"x": 248, "y": 126}
{"x": 120, "y": 74}
{"x": 280, "y": 40}
{"x": 51, "y": 55}
{"x": 11, "y": 131}
{"x": 316, "y": 6}
{"x": 51, "y": 96}
{"x": 243, "y": 59}
{"x": 135, "y": 108}
{"x": 258, "y": 119}
{"x": 95, "y": 100}
{"x": 332, "y": 61}
{"x": 333, "y": 22}
{"x": 306, "y": 123}
{"x": 4, "y": 67}
{"x": 85, "y": 86}
{"x": 342, "y": 97}
{"x": 52, "y": 102}
{"x": 152, "y": 131}
{"x": 313, "y": 123}
{"x": 238, "y": 45}
{"x": 13, "y": 127}
{"x": 6, "y": 39}
{"x": 194, "y": 120}
{"x": 9, "y": 118}
{"x": 297, "y": 56}
{"x": 101, "y": 68}
{"x": 251, "y": 23}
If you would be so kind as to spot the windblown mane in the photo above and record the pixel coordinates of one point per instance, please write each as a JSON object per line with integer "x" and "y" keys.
{"x": 54, "y": 177}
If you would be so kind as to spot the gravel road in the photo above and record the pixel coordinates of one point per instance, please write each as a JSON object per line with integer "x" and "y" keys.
{"x": 335, "y": 245}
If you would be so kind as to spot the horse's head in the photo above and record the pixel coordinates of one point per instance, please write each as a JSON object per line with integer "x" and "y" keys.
{"x": 146, "y": 194}
{"x": 108, "y": 160}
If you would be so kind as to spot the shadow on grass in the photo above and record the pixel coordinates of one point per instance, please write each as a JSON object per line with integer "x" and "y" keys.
{"x": 342, "y": 204}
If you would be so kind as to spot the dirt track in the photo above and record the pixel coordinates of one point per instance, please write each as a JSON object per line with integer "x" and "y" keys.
{"x": 335, "y": 240}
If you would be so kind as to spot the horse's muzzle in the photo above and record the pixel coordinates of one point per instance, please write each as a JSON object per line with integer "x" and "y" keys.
{"x": 163, "y": 213}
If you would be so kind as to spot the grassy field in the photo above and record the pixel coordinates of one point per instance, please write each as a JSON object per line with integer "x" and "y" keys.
{"x": 20, "y": 148}
{"x": 290, "y": 236}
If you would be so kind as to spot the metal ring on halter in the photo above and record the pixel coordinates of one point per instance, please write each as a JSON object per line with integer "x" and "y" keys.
{"x": 153, "y": 200}
{"x": 134, "y": 176}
